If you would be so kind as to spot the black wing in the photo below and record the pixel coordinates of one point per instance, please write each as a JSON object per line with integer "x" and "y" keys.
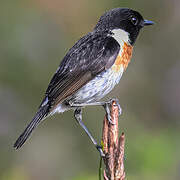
{"x": 91, "y": 55}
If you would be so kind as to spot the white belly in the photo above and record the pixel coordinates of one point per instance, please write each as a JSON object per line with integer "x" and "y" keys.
{"x": 98, "y": 87}
{"x": 94, "y": 90}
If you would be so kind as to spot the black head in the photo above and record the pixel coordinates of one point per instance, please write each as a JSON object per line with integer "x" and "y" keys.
{"x": 123, "y": 18}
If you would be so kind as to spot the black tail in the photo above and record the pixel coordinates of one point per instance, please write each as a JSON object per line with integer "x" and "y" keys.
{"x": 40, "y": 115}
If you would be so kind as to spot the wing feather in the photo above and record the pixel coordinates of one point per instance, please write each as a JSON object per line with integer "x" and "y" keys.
{"x": 91, "y": 55}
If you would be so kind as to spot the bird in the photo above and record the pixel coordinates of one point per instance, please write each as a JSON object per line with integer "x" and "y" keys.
{"x": 90, "y": 69}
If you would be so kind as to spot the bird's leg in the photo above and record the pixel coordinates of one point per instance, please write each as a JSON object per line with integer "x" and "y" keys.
{"x": 78, "y": 117}
{"x": 105, "y": 104}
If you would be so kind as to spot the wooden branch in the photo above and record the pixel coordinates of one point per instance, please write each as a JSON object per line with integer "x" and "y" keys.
{"x": 113, "y": 147}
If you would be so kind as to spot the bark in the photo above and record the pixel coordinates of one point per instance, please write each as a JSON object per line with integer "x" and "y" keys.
{"x": 113, "y": 147}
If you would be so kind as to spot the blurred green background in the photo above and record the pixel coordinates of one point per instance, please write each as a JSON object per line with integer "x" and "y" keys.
{"x": 34, "y": 37}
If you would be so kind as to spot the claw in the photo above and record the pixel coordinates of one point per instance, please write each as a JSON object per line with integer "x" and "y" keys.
{"x": 107, "y": 109}
{"x": 109, "y": 119}
{"x": 117, "y": 104}
{"x": 108, "y": 112}
{"x": 99, "y": 148}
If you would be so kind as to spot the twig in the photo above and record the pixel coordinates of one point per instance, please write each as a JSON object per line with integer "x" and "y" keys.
{"x": 100, "y": 168}
{"x": 113, "y": 147}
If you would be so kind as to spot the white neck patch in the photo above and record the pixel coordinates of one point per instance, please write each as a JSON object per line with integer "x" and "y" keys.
{"x": 120, "y": 36}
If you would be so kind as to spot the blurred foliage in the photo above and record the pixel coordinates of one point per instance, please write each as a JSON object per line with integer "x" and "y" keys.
{"x": 15, "y": 174}
{"x": 35, "y": 35}
{"x": 87, "y": 177}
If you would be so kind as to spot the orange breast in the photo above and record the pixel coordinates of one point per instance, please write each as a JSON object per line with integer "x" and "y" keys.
{"x": 124, "y": 58}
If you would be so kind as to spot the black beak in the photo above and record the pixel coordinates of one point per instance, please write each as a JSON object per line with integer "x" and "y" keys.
{"x": 147, "y": 22}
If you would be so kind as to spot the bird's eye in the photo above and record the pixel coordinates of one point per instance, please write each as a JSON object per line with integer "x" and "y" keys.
{"x": 134, "y": 21}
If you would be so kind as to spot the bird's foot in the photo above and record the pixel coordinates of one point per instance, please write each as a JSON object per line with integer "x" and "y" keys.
{"x": 99, "y": 148}
{"x": 107, "y": 106}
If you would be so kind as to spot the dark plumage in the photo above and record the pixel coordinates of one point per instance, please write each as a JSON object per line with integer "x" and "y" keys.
{"x": 90, "y": 60}
{"x": 88, "y": 57}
